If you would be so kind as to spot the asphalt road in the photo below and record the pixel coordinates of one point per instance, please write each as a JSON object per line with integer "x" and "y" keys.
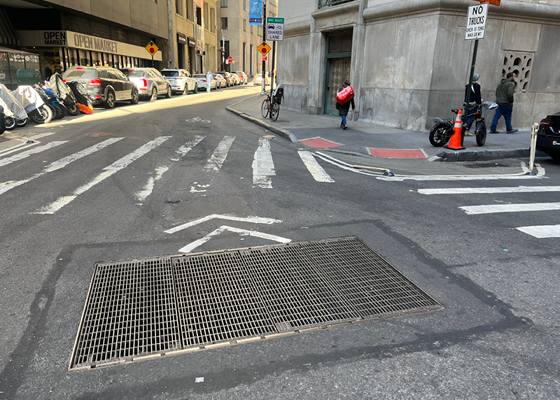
{"x": 175, "y": 161}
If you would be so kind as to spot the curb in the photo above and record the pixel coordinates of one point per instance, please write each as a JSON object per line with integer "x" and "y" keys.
{"x": 483, "y": 155}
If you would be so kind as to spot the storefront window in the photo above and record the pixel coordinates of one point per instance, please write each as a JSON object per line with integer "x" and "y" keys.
{"x": 84, "y": 58}
{"x": 96, "y": 58}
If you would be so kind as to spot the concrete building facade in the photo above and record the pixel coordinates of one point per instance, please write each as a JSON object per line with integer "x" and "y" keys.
{"x": 241, "y": 40}
{"x": 408, "y": 60}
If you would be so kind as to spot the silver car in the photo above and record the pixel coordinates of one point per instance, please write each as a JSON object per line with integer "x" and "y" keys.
{"x": 220, "y": 80}
{"x": 201, "y": 79}
{"x": 180, "y": 80}
{"x": 234, "y": 78}
{"x": 149, "y": 81}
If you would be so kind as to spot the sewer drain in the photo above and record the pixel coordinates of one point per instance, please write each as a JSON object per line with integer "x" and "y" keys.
{"x": 141, "y": 309}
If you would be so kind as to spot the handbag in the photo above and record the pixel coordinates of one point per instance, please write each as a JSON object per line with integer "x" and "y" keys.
{"x": 345, "y": 95}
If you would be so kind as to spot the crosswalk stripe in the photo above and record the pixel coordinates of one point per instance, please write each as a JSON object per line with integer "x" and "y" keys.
{"x": 313, "y": 167}
{"x": 149, "y": 187}
{"x": 483, "y": 190}
{"x": 108, "y": 171}
{"x": 501, "y": 208}
{"x": 25, "y": 154}
{"x": 541, "y": 231}
{"x": 183, "y": 150}
{"x": 219, "y": 156}
{"x": 263, "y": 165}
{"x": 56, "y": 165}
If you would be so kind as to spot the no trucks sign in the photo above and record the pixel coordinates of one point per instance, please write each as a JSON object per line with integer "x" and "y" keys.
{"x": 476, "y": 22}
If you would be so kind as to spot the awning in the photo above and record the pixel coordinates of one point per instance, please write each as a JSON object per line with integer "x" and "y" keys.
{"x": 7, "y": 33}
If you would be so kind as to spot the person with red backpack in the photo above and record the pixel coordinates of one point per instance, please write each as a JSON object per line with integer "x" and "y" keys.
{"x": 345, "y": 98}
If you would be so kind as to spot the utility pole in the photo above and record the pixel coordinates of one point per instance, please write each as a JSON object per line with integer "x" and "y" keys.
{"x": 263, "y": 91}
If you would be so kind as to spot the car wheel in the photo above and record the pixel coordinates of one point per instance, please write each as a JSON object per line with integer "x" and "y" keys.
{"x": 169, "y": 92}
{"x": 110, "y": 102}
{"x": 10, "y": 123}
{"x": 134, "y": 96}
{"x": 153, "y": 97}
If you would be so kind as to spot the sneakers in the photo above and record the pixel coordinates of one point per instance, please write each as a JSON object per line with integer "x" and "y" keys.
{"x": 345, "y": 127}
{"x": 513, "y": 131}
{"x": 467, "y": 133}
{"x": 342, "y": 125}
{"x": 494, "y": 132}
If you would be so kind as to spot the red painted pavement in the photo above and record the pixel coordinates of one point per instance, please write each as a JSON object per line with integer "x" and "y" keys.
{"x": 319, "y": 143}
{"x": 396, "y": 153}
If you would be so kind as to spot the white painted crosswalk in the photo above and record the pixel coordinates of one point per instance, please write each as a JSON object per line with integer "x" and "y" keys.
{"x": 538, "y": 231}
{"x": 262, "y": 168}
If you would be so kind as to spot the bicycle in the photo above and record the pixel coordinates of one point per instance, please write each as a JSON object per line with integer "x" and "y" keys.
{"x": 271, "y": 105}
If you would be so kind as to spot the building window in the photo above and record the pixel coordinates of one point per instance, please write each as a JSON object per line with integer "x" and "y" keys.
{"x": 179, "y": 7}
{"x": 199, "y": 16}
{"x": 190, "y": 10}
{"x": 260, "y": 31}
{"x": 223, "y": 3}
{"x": 224, "y": 23}
{"x": 271, "y": 15}
{"x": 251, "y": 27}
{"x": 206, "y": 14}
{"x": 273, "y": 2}
{"x": 244, "y": 25}
{"x": 212, "y": 20}
{"x": 244, "y": 4}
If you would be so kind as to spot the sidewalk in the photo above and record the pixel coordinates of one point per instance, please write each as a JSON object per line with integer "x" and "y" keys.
{"x": 361, "y": 138}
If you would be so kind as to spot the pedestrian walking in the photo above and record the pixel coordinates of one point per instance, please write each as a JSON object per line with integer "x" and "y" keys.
{"x": 504, "y": 99}
{"x": 475, "y": 100}
{"x": 209, "y": 78}
{"x": 342, "y": 95}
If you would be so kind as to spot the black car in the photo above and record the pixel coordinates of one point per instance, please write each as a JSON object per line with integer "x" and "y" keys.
{"x": 106, "y": 85}
{"x": 548, "y": 136}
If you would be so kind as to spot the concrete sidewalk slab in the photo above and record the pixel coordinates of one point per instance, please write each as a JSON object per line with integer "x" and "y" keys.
{"x": 367, "y": 139}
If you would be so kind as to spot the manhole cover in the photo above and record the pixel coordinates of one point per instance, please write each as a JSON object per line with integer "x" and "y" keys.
{"x": 141, "y": 309}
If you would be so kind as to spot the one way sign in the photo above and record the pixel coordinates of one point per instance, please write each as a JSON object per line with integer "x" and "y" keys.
{"x": 275, "y": 29}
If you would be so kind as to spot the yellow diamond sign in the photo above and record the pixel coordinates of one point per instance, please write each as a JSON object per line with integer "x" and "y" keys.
{"x": 264, "y": 48}
{"x": 152, "y": 48}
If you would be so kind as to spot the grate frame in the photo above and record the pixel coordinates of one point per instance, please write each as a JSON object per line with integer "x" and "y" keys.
{"x": 211, "y": 299}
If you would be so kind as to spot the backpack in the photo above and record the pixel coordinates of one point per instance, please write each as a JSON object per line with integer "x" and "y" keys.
{"x": 345, "y": 95}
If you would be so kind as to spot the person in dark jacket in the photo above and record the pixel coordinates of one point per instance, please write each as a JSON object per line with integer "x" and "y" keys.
{"x": 343, "y": 108}
{"x": 475, "y": 101}
{"x": 504, "y": 99}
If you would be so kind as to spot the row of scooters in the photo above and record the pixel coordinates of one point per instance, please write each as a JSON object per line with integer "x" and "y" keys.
{"x": 42, "y": 103}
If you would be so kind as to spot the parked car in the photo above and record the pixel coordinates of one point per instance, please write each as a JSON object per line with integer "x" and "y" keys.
{"x": 104, "y": 84}
{"x": 201, "y": 79}
{"x": 180, "y": 80}
{"x": 257, "y": 80}
{"x": 221, "y": 81}
{"x": 150, "y": 82}
{"x": 234, "y": 78}
{"x": 548, "y": 136}
{"x": 227, "y": 77}
{"x": 243, "y": 77}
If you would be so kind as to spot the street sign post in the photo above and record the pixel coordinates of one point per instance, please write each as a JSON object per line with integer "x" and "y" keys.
{"x": 275, "y": 29}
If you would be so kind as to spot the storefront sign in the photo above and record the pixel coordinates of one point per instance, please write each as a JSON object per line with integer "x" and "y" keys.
{"x": 55, "y": 38}
{"x": 181, "y": 38}
{"x": 192, "y": 42}
{"x": 93, "y": 43}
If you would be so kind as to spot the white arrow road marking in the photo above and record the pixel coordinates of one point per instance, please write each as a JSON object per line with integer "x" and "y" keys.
{"x": 515, "y": 189}
{"x": 219, "y": 156}
{"x": 313, "y": 167}
{"x": 542, "y": 231}
{"x": 254, "y": 220}
{"x": 184, "y": 149}
{"x": 500, "y": 208}
{"x": 149, "y": 187}
{"x": 109, "y": 170}
{"x": 4, "y": 187}
{"x": 243, "y": 232}
{"x": 263, "y": 165}
{"x": 27, "y": 153}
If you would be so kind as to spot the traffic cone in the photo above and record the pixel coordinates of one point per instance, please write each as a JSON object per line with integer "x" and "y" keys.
{"x": 455, "y": 141}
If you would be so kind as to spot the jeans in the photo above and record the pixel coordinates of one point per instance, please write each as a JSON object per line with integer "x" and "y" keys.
{"x": 470, "y": 118}
{"x": 208, "y": 87}
{"x": 343, "y": 119}
{"x": 505, "y": 111}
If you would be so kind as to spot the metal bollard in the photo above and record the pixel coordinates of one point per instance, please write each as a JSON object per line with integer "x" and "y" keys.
{"x": 2, "y": 121}
{"x": 533, "y": 149}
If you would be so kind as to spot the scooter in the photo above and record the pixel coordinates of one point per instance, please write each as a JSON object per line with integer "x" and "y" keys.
{"x": 14, "y": 113}
{"x": 33, "y": 104}
{"x": 442, "y": 131}
{"x": 52, "y": 101}
{"x": 59, "y": 88}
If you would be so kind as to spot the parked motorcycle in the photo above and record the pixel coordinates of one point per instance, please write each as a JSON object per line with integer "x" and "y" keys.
{"x": 84, "y": 99}
{"x": 442, "y": 131}
{"x": 52, "y": 101}
{"x": 14, "y": 113}
{"x": 63, "y": 92}
{"x": 33, "y": 104}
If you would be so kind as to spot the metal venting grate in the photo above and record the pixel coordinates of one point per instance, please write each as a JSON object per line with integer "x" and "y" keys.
{"x": 149, "y": 308}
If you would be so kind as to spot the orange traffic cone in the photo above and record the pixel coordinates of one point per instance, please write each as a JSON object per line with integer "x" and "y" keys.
{"x": 455, "y": 141}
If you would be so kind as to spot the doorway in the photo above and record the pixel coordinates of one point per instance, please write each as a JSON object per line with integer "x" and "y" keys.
{"x": 338, "y": 63}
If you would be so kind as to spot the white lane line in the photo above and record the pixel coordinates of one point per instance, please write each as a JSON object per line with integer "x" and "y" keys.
{"x": 501, "y": 208}
{"x": 149, "y": 187}
{"x": 109, "y": 170}
{"x": 541, "y": 231}
{"x": 254, "y": 220}
{"x": 56, "y": 165}
{"x": 515, "y": 189}
{"x": 219, "y": 156}
{"x": 313, "y": 167}
{"x": 243, "y": 232}
{"x": 343, "y": 165}
{"x": 184, "y": 149}
{"x": 30, "y": 152}
{"x": 263, "y": 165}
